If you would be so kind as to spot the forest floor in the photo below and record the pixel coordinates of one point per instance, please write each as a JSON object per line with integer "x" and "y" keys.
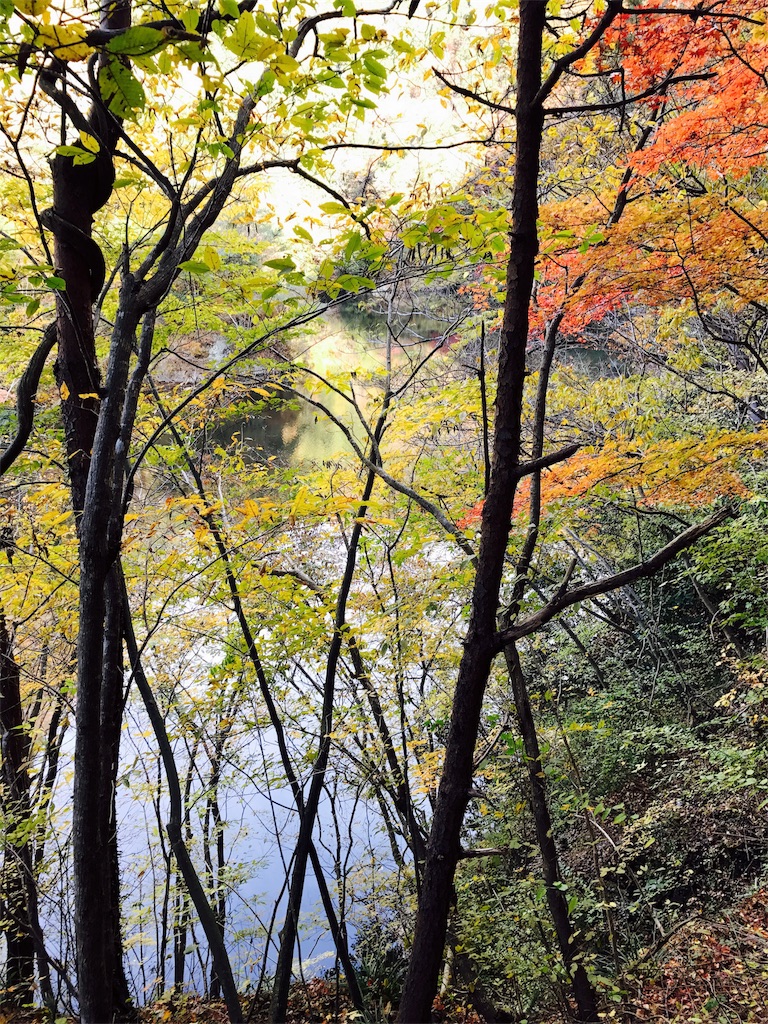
{"x": 711, "y": 971}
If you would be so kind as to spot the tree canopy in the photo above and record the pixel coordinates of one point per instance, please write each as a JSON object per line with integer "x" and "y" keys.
{"x": 382, "y": 465}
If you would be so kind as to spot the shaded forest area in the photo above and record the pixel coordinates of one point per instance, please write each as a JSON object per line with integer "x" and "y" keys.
{"x": 383, "y": 623}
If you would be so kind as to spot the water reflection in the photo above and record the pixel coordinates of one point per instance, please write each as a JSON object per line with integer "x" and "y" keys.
{"x": 343, "y": 349}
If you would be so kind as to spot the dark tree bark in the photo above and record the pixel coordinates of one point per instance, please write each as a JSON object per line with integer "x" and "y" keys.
{"x": 79, "y": 191}
{"x": 506, "y": 470}
{"x": 444, "y": 841}
{"x": 20, "y": 945}
{"x": 111, "y": 717}
{"x": 99, "y": 689}
{"x": 567, "y": 938}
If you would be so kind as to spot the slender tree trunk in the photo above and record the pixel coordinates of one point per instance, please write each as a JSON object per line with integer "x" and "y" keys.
{"x": 567, "y": 938}
{"x": 213, "y": 834}
{"x": 24, "y": 937}
{"x": 205, "y": 912}
{"x": 444, "y": 841}
{"x": 337, "y": 933}
{"x": 304, "y": 845}
{"x": 20, "y": 946}
{"x": 111, "y": 717}
{"x": 99, "y": 700}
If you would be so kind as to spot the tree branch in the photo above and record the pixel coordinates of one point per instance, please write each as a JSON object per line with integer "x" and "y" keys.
{"x": 564, "y": 600}
{"x": 614, "y": 8}
{"x": 25, "y": 397}
{"x": 545, "y": 461}
{"x": 583, "y": 108}
{"x": 653, "y": 90}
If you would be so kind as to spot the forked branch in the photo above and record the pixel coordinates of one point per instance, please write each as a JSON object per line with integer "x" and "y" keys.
{"x": 564, "y": 599}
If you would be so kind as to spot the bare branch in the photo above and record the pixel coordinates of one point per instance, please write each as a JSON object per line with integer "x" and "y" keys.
{"x": 391, "y": 147}
{"x": 584, "y": 108}
{"x": 396, "y": 485}
{"x": 564, "y": 600}
{"x": 694, "y": 12}
{"x": 612, "y": 10}
{"x": 469, "y": 94}
{"x": 357, "y": 218}
{"x": 25, "y": 397}
{"x": 653, "y": 90}
{"x": 545, "y": 461}
{"x": 307, "y": 25}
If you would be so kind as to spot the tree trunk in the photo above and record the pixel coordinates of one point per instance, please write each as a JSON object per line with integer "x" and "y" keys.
{"x": 111, "y": 716}
{"x": 99, "y": 702}
{"x": 308, "y": 814}
{"x": 79, "y": 191}
{"x": 20, "y": 946}
{"x": 444, "y": 841}
{"x": 567, "y": 938}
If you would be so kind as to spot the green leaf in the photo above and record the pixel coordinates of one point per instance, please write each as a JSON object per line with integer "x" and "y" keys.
{"x": 374, "y": 66}
{"x": 248, "y": 44}
{"x": 79, "y": 155}
{"x": 267, "y": 25}
{"x": 333, "y": 207}
{"x": 352, "y": 245}
{"x": 368, "y": 104}
{"x": 353, "y": 282}
{"x": 285, "y": 64}
{"x": 284, "y": 264}
{"x": 57, "y": 283}
{"x": 120, "y": 89}
{"x": 400, "y": 46}
{"x": 266, "y": 83}
{"x": 139, "y": 41}
{"x": 195, "y": 267}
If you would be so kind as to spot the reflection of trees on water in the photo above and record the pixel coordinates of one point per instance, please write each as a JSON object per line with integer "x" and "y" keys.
{"x": 410, "y": 328}
{"x": 292, "y": 433}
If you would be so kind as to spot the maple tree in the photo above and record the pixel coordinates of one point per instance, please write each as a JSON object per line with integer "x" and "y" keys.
{"x": 533, "y": 88}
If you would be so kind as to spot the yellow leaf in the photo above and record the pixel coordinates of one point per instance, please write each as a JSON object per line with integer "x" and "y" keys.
{"x": 89, "y": 142}
{"x": 34, "y": 8}
{"x": 89, "y": 394}
{"x": 249, "y": 509}
{"x": 212, "y": 258}
{"x": 64, "y": 392}
{"x": 66, "y": 41}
